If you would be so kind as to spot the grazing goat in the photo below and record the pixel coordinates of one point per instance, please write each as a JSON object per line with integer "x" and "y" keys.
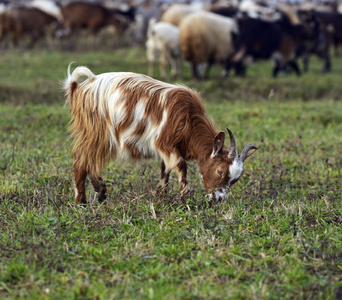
{"x": 132, "y": 116}
{"x": 163, "y": 41}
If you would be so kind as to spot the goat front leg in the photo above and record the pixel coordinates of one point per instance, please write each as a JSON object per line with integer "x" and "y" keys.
{"x": 183, "y": 182}
{"x": 99, "y": 187}
{"x": 164, "y": 179}
{"x": 80, "y": 175}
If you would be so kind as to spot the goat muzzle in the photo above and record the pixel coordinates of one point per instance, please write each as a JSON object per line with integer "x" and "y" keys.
{"x": 219, "y": 195}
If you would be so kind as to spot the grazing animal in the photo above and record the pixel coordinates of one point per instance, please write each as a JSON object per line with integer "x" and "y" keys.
{"x": 125, "y": 115}
{"x": 163, "y": 41}
{"x": 206, "y": 38}
{"x": 21, "y": 21}
{"x": 318, "y": 40}
{"x": 90, "y": 16}
{"x": 262, "y": 39}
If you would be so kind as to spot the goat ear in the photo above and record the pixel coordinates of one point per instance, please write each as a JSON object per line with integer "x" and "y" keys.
{"x": 218, "y": 143}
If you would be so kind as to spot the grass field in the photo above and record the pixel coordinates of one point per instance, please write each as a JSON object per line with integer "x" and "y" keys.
{"x": 278, "y": 235}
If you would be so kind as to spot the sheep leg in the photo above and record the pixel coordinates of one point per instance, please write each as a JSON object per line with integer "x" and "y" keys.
{"x": 15, "y": 38}
{"x": 183, "y": 182}
{"x": 236, "y": 60}
{"x": 276, "y": 68}
{"x": 195, "y": 72}
{"x": 327, "y": 63}
{"x": 163, "y": 63}
{"x": 306, "y": 61}
{"x": 173, "y": 63}
{"x": 151, "y": 56}
{"x": 179, "y": 67}
{"x": 33, "y": 40}
{"x": 80, "y": 175}
{"x": 207, "y": 70}
{"x": 151, "y": 68}
{"x": 164, "y": 179}
{"x": 99, "y": 187}
{"x": 293, "y": 64}
{"x": 2, "y": 34}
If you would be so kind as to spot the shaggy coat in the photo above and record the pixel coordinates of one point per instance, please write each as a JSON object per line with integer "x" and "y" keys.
{"x": 206, "y": 38}
{"x": 132, "y": 116}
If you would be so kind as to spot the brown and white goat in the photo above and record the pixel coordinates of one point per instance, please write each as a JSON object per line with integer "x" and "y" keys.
{"x": 127, "y": 115}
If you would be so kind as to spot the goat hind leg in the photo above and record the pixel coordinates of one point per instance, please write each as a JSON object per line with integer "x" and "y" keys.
{"x": 80, "y": 175}
{"x": 183, "y": 182}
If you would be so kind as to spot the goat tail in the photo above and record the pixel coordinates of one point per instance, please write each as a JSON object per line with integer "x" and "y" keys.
{"x": 91, "y": 145}
{"x": 70, "y": 84}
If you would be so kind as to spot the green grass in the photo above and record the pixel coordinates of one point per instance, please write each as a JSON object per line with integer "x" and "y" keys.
{"x": 279, "y": 234}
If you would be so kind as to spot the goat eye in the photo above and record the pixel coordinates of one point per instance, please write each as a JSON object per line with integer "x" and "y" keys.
{"x": 219, "y": 172}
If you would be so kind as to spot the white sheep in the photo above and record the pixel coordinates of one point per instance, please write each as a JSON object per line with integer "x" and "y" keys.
{"x": 206, "y": 38}
{"x": 163, "y": 41}
{"x": 177, "y": 12}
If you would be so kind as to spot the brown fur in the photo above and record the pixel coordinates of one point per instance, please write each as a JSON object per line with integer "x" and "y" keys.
{"x": 25, "y": 21}
{"x": 90, "y": 16}
{"x": 85, "y": 122}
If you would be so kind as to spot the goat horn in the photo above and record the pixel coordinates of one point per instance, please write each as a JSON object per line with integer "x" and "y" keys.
{"x": 244, "y": 153}
{"x": 233, "y": 150}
